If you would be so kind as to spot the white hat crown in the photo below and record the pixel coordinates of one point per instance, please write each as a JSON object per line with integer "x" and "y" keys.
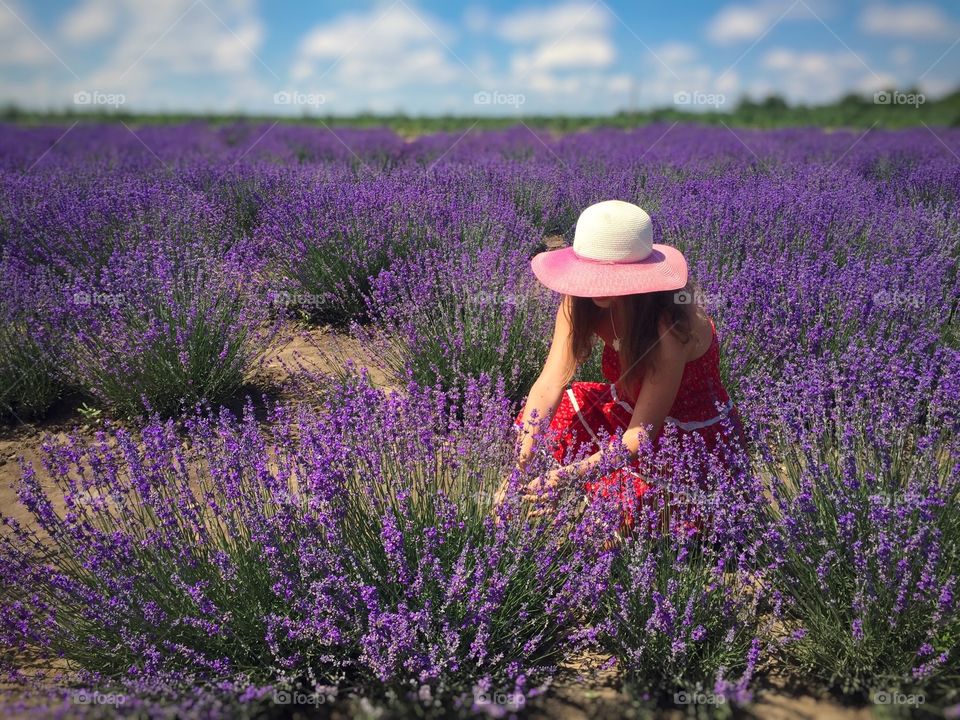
{"x": 613, "y": 231}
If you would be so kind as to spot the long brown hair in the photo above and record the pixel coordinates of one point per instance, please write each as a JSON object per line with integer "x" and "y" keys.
{"x": 637, "y": 320}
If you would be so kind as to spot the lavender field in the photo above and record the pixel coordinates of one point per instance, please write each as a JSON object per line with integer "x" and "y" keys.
{"x": 190, "y": 532}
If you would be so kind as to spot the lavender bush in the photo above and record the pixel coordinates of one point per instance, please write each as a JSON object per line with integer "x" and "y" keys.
{"x": 333, "y": 234}
{"x": 73, "y": 224}
{"x": 31, "y": 377}
{"x": 864, "y": 560}
{"x": 682, "y": 613}
{"x": 167, "y": 329}
{"x": 297, "y": 555}
{"x": 678, "y": 627}
{"x": 450, "y": 315}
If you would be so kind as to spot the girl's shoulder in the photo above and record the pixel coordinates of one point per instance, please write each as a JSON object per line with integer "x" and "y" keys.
{"x": 702, "y": 337}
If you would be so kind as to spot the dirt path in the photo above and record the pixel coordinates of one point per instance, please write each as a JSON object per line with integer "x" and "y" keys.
{"x": 308, "y": 351}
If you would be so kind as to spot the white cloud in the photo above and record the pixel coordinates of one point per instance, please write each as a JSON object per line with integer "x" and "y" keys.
{"x": 18, "y": 46}
{"x": 728, "y": 83}
{"x": 817, "y": 77}
{"x": 152, "y": 51}
{"x": 477, "y": 19}
{"x": 557, "y": 51}
{"x": 375, "y": 57}
{"x": 676, "y": 53}
{"x": 580, "y": 92}
{"x": 681, "y": 70}
{"x": 215, "y": 36}
{"x": 620, "y": 83}
{"x": 936, "y": 87}
{"x": 738, "y": 22}
{"x": 90, "y": 20}
{"x": 590, "y": 51}
{"x": 543, "y": 24}
{"x": 810, "y": 63}
{"x": 372, "y": 34}
{"x": 916, "y": 20}
{"x": 902, "y": 55}
{"x": 174, "y": 54}
{"x": 744, "y": 23}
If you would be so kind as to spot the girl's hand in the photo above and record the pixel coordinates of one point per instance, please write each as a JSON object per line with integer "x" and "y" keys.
{"x": 538, "y": 487}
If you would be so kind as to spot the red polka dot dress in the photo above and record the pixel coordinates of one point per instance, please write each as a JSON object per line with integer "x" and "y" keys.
{"x": 699, "y": 408}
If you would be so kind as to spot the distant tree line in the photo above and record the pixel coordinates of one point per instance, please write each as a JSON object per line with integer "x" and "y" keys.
{"x": 887, "y": 109}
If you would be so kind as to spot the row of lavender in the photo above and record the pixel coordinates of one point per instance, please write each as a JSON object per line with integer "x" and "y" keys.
{"x": 182, "y": 246}
{"x": 151, "y": 271}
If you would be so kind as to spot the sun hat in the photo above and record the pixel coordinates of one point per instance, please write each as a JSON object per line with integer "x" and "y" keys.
{"x": 613, "y": 253}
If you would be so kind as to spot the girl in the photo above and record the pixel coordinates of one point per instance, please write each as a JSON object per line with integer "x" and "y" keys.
{"x": 660, "y": 356}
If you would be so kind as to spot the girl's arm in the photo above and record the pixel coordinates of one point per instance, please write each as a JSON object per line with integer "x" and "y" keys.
{"x": 546, "y": 391}
{"x": 657, "y": 393}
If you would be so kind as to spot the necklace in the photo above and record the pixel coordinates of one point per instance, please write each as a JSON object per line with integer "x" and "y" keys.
{"x": 616, "y": 338}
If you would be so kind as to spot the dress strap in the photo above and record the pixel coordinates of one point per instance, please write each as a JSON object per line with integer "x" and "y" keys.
{"x": 622, "y": 403}
{"x": 583, "y": 420}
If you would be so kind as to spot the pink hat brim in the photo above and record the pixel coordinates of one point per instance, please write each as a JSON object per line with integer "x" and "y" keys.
{"x": 565, "y": 272}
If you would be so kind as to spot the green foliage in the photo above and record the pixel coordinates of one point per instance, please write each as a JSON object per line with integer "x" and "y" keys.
{"x": 866, "y": 557}
{"x": 29, "y": 378}
{"x": 196, "y": 346}
{"x": 850, "y": 111}
{"x": 678, "y": 625}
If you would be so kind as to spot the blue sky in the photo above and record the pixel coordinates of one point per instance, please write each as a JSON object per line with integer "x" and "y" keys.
{"x": 500, "y": 58}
